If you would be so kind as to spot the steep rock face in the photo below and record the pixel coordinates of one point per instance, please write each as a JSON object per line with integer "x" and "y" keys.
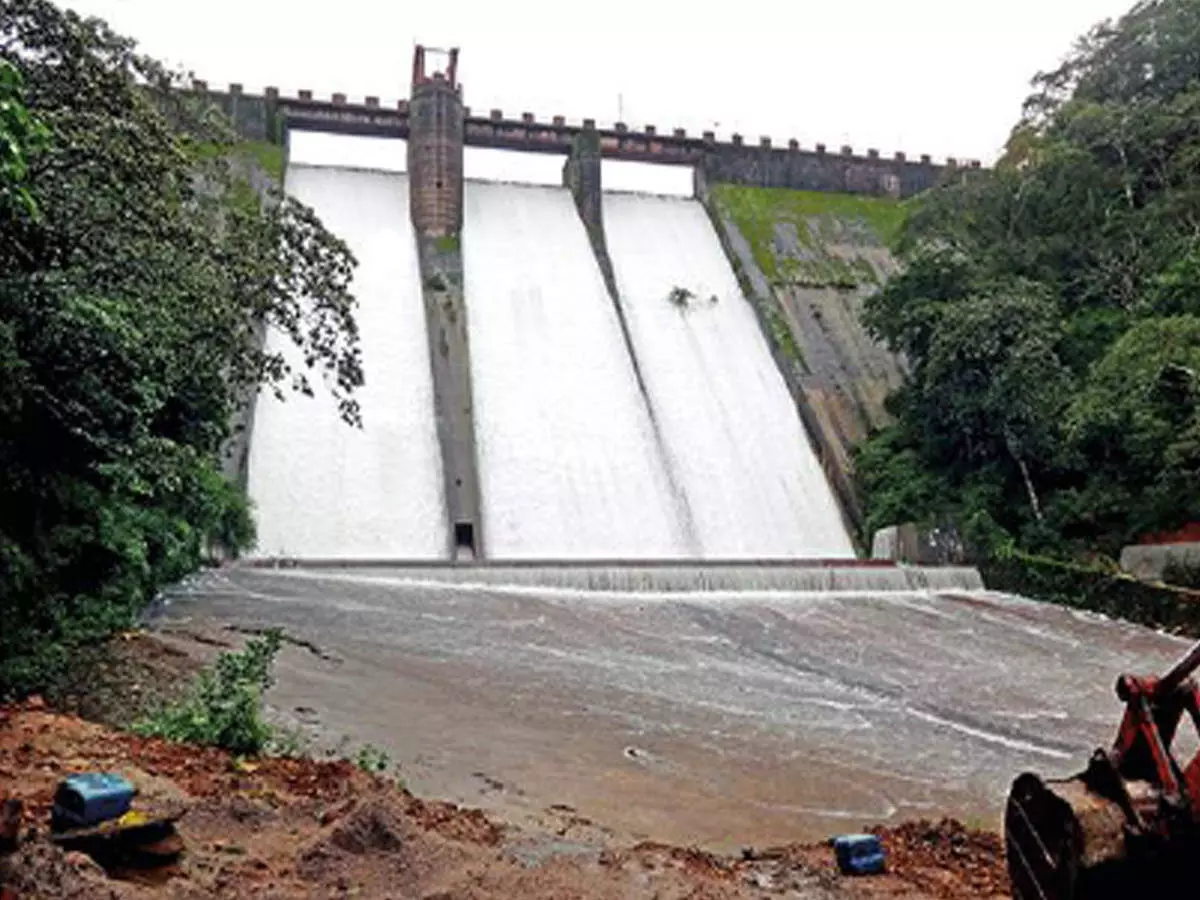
{"x": 809, "y": 261}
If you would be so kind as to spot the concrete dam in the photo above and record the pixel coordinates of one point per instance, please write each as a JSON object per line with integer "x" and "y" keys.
{"x": 552, "y": 373}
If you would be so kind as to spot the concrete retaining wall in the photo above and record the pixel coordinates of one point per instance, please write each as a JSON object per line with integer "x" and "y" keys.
{"x": 1150, "y": 562}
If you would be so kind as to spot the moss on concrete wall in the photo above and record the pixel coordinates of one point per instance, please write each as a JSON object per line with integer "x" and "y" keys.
{"x": 798, "y": 237}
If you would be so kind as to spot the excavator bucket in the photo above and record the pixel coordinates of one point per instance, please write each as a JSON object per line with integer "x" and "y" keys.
{"x": 1066, "y": 840}
{"x": 1128, "y": 826}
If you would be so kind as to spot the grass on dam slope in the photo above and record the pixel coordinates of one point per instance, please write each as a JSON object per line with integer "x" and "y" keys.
{"x": 794, "y": 235}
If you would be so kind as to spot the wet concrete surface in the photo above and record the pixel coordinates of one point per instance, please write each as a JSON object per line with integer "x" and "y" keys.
{"x": 721, "y": 719}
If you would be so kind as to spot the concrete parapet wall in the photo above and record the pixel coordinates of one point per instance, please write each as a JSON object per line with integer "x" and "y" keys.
{"x": 911, "y": 543}
{"x": 256, "y": 117}
{"x": 270, "y": 115}
{"x": 846, "y": 173}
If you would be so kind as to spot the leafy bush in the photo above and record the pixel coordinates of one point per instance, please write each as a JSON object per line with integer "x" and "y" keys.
{"x": 372, "y": 759}
{"x": 1182, "y": 573}
{"x": 224, "y": 707}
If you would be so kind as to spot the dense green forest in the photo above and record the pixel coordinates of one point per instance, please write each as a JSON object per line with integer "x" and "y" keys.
{"x": 1049, "y": 310}
{"x": 138, "y": 263}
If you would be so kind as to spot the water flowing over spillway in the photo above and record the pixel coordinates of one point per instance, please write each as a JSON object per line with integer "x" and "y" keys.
{"x": 569, "y": 466}
{"x": 639, "y": 429}
{"x": 733, "y": 436}
{"x": 321, "y": 488}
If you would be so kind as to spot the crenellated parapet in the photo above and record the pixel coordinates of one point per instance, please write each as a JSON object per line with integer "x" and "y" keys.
{"x": 270, "y": 116}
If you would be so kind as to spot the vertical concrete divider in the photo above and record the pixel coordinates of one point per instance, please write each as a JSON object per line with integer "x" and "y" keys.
{"x": 435, "y": 172}
{"x": 581, "y": 174}
{"x": 757, "y": 289}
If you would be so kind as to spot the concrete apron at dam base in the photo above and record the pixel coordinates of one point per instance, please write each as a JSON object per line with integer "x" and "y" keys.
{"x": 670, "y": 575}
{"x": 722, "y": 706}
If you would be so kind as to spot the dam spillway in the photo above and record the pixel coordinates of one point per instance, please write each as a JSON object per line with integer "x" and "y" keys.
{"x": 569, "y": 468}
{"x": 733, "y": 435}
{"x": 320, "y": 487}
{"x": 607, "y": 427}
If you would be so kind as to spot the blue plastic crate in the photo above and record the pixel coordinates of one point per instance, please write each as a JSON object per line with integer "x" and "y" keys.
{"x": 859, "y": 854}
{"x": 82, "y": 801}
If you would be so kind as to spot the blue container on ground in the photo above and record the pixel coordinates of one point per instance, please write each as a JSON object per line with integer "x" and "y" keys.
{"x": 859, "y": 854}
{"x": 82, "y": 801}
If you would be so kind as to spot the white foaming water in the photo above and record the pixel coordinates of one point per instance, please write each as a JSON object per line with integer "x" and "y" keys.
{"x": 322, "y": 488}
{"x": 734, "y": 439}
{"x": 569, "y": 467}
{"x": 677, "y": 580}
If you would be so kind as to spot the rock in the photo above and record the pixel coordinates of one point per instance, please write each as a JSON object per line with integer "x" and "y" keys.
{"x": 373, "y": 826}
{"x": 84, "y": 864}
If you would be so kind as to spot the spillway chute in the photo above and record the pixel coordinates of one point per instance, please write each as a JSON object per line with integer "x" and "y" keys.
{"x": 325, "y": 490}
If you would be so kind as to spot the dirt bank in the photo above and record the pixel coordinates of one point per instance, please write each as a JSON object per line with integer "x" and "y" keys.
{"x": 282, "y": 829}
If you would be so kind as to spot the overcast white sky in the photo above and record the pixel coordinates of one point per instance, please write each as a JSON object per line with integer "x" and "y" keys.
{"x": 944, "y": 77}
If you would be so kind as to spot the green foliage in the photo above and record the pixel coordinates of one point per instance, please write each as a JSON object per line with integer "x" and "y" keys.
{"x": 820, "y": 220}
{"x": 1049, "y": 310}
{"x": 1184, "y": 574}
{"x": 21, "y": 137}
{"x": 131, "y": 310}
{"x": 268, "y": 157}
{"x": 372, "y": 759}
{"x": 224, "y": 707}
{"x": 290, "y": 743}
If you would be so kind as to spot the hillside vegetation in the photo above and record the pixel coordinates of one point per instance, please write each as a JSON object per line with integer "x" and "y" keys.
{"x": 137, "y": 270}
{"x": 1049, "y": 310}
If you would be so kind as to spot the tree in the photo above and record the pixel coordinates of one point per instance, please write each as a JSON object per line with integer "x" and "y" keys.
{"x": 21, "y": 135}
{"x": 130, "y": 309}
{"x": 994, "y": 385}
{"x": 1137, "y": 420}
{"x": 1047, "y": 307}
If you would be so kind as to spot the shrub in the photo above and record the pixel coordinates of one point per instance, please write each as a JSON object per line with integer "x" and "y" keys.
{"x": 372, "y": 760}
{"x": 224, "y": 707}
